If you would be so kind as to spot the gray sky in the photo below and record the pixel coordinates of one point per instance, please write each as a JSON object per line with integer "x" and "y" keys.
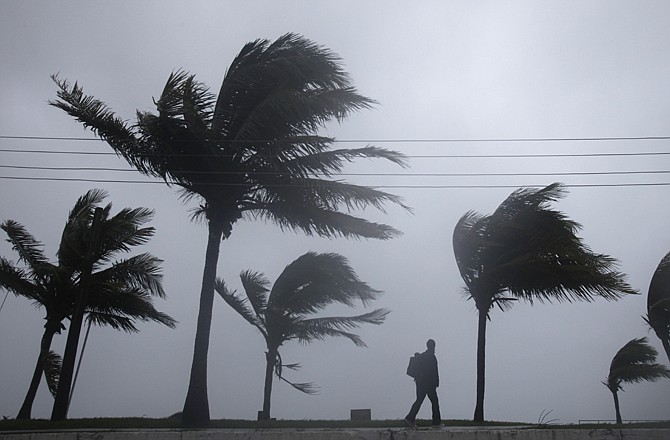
{"x": 440, "y": 70}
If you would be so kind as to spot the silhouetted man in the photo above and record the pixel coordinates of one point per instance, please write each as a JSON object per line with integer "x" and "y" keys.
{"x": 427, "y": 380}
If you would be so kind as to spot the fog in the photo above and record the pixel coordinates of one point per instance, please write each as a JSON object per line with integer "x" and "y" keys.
{"x": 445, "y": 74}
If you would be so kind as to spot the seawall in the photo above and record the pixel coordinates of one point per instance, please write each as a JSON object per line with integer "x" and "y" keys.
{"x": 446, "y": 433}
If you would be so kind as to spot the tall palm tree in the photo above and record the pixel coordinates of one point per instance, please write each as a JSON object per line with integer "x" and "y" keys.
{"x": 634, "y": 362}
{"x": 120, "y": 291}
{"x": 305, "y": 287}
{"x": 658, "y": 303}
{"x": 253, "y": 150}
{"x": 525, "y": 250}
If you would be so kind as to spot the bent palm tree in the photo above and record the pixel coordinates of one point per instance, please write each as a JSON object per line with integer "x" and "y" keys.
{"x": 253, "y": 150}
{"x": 285, "y": 312}
{"x": 525, "y": 250}
{"x": 634, "y": 362}
{"x": 658, "y": 303}
{"x": 120, "y": 291}
{"x": 45, "y": 284}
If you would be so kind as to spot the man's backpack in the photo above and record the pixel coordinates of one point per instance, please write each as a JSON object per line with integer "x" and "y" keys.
{"x": 414, "y": 366}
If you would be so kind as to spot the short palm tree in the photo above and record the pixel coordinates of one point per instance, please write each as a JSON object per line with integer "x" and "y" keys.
{"x": 120, "y": 291}
{"x": 46, "y": 285}
{"x": 253, "y": 150}
{"x": 286, "y": 311}
{"x": 658, "y": 303}
{"x": 634, "y": 362}
{"x": 525, "y": 250}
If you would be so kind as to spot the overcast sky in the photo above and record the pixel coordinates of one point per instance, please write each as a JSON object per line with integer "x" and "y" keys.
{"x": 440, "y": 70}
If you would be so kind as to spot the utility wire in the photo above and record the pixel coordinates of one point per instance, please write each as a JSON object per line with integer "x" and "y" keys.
{"x": 259, "y": 173}
{"x": 425, "y": 156}
{"x": 409, "y": 140}
{"x": 377, "y": 141}
{"x": 423, "y": 141}
{"x": 67, "y": 179}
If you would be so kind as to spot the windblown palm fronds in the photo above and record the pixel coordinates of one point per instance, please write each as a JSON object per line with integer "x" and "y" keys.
{"x": 635, "y": 362}
{"x": 251, "y": 151}
{"x": 286, "y": 311}
{"x": 528, "y": 251}
{"x": 120, "y": 291}
{"x": 658, "y": 303}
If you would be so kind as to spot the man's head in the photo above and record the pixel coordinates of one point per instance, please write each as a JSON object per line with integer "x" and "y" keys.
{"x": 430, "y": 345}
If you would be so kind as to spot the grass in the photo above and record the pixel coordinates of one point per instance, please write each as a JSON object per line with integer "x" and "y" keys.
{"x": 173, "y": 423}
{"x": 641, "y": 425}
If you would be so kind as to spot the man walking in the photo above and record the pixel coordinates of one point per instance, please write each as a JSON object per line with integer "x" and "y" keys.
{"x": 427, "y": 380}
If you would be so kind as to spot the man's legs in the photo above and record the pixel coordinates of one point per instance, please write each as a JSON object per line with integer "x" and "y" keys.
{"x": 432, "y": 395}
{"x": 420, "y": 396}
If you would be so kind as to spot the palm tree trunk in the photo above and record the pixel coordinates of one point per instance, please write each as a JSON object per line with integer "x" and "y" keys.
{"x": 481, "y": 365}
{"x": 196, "y": 406}
{"x": 62, "y": 400}
{"x": 616, "y": 407}
{"x": 271, "y": 359}
{"x": 45, "y": 346}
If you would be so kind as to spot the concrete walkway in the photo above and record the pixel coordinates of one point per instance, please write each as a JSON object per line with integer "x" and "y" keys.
{"x": 444, "y": 433}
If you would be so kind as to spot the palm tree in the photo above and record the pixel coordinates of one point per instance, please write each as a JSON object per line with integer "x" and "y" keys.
{"x": 285, "y": 312}
{"x": 120, "y": 291}
{"x": 45, "y": 285}
{"x": 252, "y": 151}
{"x": 634, "y": 362}
{"x": 525, "y": 250}
{"x": 658, "y": 303}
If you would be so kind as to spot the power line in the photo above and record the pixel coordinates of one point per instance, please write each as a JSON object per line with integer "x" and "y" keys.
{"x": 571, "y": 173}
{"x": 92, "y": 153}
{"x": 400, "y": 140}
{"x": 425, "y": 156}
{"x": 592, "y": 185}
{"x": 567, "y": 185}
{"x": 397, "y": 141}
